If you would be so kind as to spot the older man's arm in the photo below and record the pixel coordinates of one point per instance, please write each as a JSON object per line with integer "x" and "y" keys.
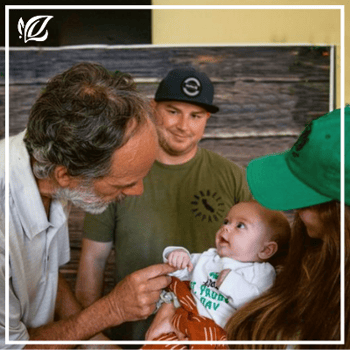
{"x": 66, "y": 303}
{"x": 132, "y": 299}
{"x": 67, "y": 306}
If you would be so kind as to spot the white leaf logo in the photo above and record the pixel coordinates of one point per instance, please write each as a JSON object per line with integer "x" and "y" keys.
{"x": 32, "y": 24}
{"x": 20, "y": 27}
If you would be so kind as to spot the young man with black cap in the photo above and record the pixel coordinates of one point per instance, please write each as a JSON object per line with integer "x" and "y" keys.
{"x": 187, "y": 193}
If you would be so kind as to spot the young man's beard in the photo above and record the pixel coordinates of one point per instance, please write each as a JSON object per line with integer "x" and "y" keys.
{"x": 84, "y": 198}
{"x": 163, "y": 143}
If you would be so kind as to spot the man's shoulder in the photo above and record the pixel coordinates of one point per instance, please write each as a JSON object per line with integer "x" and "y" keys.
{"x": 104, "y": 217}
{"x": 16, "y": 150}
{"x": 215, "y": 156}
{"x": 2, "y": 239}
{"x": 2, "y": 173}
{"x": 18, "y": 159}
{"x": 2, "y": 158}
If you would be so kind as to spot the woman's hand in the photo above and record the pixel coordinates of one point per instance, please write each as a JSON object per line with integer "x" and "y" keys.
{"x": 162, "y": 323}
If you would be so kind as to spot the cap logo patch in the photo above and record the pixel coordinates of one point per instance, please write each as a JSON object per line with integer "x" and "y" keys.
{"x": 191, "y": 87}
{"x": 302, "y": 140}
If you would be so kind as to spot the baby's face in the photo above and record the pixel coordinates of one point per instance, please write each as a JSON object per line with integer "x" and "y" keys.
{"x": 243, "y": 234}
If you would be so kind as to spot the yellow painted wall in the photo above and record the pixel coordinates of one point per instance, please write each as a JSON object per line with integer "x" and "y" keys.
{"x": 254, "y": 26}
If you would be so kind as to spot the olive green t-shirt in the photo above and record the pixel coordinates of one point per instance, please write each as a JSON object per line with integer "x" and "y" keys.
{"x": 182, "y": 205}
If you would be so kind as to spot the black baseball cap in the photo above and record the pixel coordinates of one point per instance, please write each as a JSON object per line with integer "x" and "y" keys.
{"x": 187, "y": 85}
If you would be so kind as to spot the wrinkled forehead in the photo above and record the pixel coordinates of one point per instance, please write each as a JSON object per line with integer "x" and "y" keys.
{"x": 137, "y": 155}
{"x": 135, "y": 126}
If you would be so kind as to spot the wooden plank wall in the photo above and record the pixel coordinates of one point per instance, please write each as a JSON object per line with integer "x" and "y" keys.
{"x": 266, "y": 96}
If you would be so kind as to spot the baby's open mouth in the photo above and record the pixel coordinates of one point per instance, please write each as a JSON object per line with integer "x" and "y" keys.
{"x": 222, "y": 240}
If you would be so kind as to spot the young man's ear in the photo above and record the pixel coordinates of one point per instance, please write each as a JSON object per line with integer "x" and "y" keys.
{"x": 61, "y": 176}
{"x": 269, "y": 249}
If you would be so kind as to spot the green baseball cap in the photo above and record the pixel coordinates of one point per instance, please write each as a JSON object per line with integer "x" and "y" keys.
{"x": 307, "y": 174}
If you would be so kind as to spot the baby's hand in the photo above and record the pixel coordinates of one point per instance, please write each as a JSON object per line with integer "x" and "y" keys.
{"x": 180, "y": 259}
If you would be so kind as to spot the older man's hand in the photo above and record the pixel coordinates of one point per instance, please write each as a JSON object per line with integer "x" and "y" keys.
{"x": 135, "y": 297}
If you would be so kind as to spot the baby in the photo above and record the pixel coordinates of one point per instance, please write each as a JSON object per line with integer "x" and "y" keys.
{"x": 225, "y": 278}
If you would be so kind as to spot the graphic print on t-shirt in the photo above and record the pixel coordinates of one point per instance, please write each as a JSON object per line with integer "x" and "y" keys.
{"x": 208, "y": 294}
{"x": 207, "y": 205}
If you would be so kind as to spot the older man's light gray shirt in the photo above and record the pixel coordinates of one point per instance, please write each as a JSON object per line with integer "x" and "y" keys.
{"x": 38, "y": 246}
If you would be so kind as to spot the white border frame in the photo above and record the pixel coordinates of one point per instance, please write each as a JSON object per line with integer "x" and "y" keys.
{"x": 177, "y": 7}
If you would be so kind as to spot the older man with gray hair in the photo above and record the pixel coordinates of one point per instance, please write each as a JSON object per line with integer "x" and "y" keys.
{"x": 89, "y": 141}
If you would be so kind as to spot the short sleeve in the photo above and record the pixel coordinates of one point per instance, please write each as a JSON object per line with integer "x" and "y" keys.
{"x": 101, "y": 227}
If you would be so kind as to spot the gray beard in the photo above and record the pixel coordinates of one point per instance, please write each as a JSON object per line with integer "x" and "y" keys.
{"x": 85, "y": 199}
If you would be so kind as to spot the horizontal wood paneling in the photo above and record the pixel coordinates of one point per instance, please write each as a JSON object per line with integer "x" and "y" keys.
{"x": 269, "y": 88}
{"x": 220, "y": 63}
{"x": 273, "y": 107}
{"x": 266, "y": 96}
